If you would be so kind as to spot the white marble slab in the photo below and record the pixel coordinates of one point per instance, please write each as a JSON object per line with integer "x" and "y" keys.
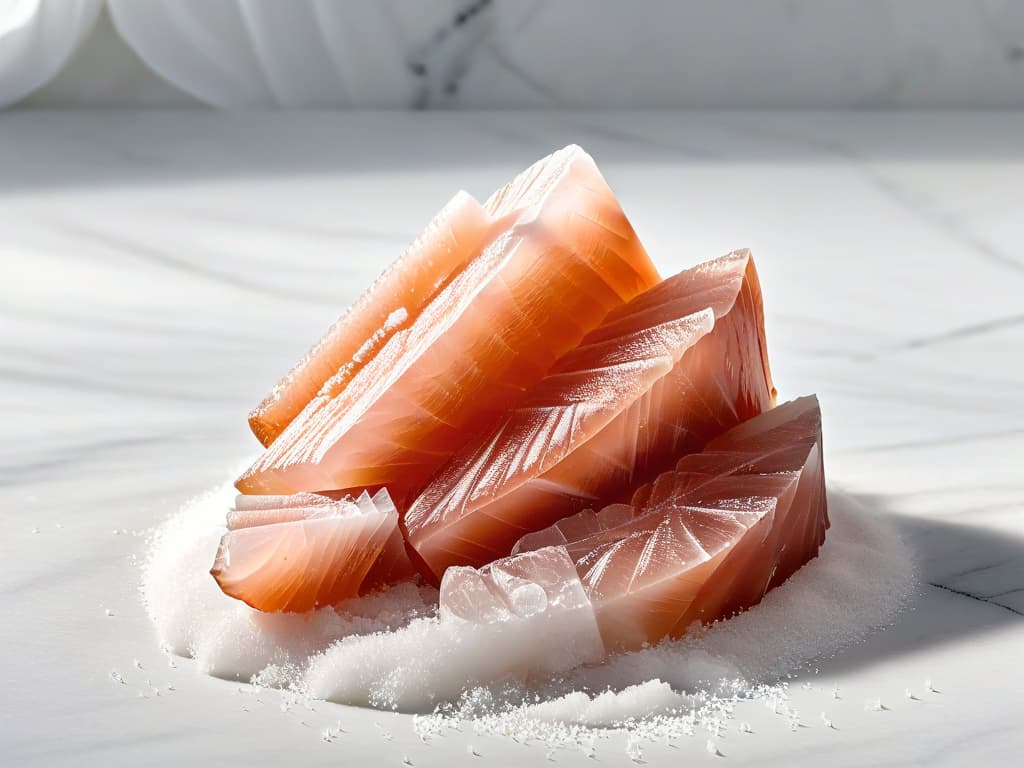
{"x": 157, "y": 272}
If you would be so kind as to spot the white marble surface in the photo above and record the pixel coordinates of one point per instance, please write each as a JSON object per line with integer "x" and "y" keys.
{"x": 531, "y": 53}
{"x": 159, "y": 271}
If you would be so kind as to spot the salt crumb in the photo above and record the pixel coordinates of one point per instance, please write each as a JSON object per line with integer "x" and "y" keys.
{"x": 794, "y": 720}
{"x": 35, "y": 530}
{"x": 108, "y": 612}
{"x": 712, "y": 748}
{"x": 472, "y": 751}
{"x": 137, "y": 664}
{"x": 116, "y": 677}
{"x": 396, "y": 318}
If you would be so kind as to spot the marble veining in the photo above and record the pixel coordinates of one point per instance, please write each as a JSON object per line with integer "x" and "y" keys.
{"x": 160, "y": 270}
{"x": 514, "y": 54}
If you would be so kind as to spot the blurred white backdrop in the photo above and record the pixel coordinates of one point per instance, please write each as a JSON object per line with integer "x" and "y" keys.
{"x": 511, "y": 53}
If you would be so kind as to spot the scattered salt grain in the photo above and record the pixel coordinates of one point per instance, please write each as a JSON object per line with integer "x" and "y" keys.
{"x": 137, "y": 664}
{"x": 396, "y": 318}
{"x": 712, "y": 748}
{"x": 35, "y": 530}
{"x": 108, "y": 612}
{"x": 116, "y": 677}
{"x": 392, "y": 322}
{"x": 392, "y": 651}
{"x": 910, "y": 695}
{"x": 634, "y": 751}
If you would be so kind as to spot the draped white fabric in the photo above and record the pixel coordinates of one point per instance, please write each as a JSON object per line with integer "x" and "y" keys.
{"x": 513, "y": 53}
{"x": 36, "y": 38}
{"x": 256, "y": 53}
{"x": 297, "y": 54}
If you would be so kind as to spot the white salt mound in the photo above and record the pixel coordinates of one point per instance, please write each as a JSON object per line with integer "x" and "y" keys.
{"x": 228, "y": 638}
{"x": 392, "y": 651}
